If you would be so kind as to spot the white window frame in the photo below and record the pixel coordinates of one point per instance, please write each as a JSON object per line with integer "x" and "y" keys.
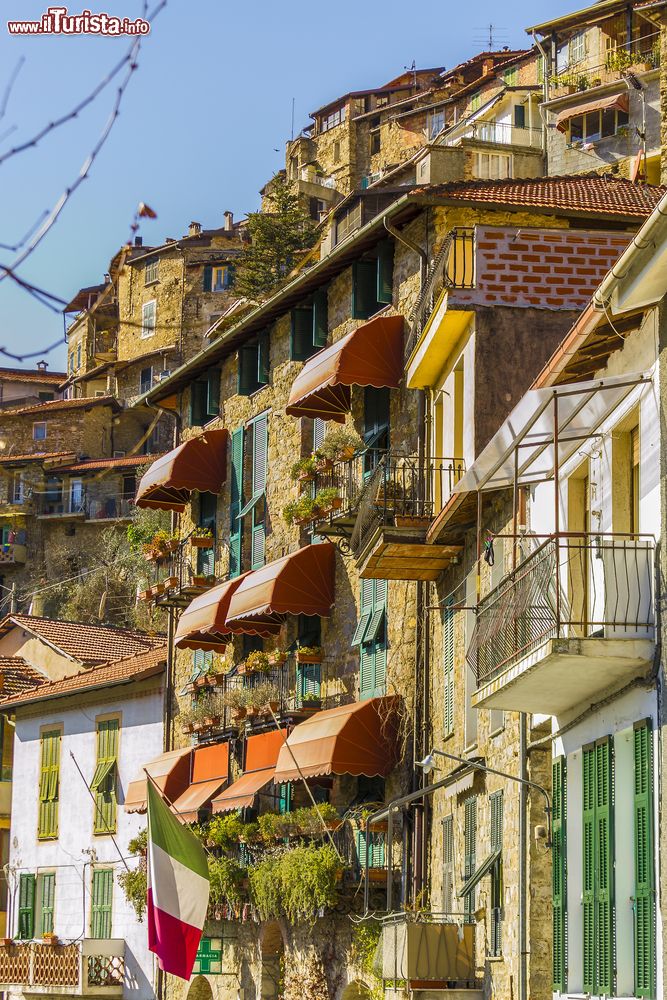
{"x": 35, "y": 435}
{"x": 148, "y": 321}
{"x": 151, "y": 271}
{"x": 577, "y": 48}
{"x": 435, "y": 116}
{"x": 487, "y": 159}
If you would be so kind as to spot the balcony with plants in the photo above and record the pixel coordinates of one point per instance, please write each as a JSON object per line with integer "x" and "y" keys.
{"x": 638, "y": 56}
{"x": 178, "y": 569}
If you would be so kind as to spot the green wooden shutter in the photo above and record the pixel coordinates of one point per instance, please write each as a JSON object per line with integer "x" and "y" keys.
{"x": 644, "y": 902}
{"x": 320, "y": 317}
{"x": 559, "y": 875}
{"x": 101, "y": 911}
{"x": 448, "y": 664}
{"x": 213, "y": 393}
{"x": 26, "y": 927}
{"x": 259, "y": 470}
{"x": 496, "y": 802}
{"x": 364, "y": 288}
{"x": 385, "y": 271}
{"x": 105, "y": 787}
{"x": 198, "y": 403}
{"x": 208, "y": 509}
{"x": 588, "y": 873}
{"x": 247, "y": 370}
{"x": 47, "y": 823}
{"x": 380, "y": 638}
{"x": 448, "y": 864}
{"x": 470, "y": 853}
{"x": 372, "y": 640}
{"x": 309, "y": 677}
{"x": 604, "y": 849}
{"x": 263, "y": 358}
{"x": 301, "y": 339}
{"x": 235, "y": 503}
{"x": 48, "y": 880}
{"x": 208, "y": 278}
{"x": 285, "y": 797}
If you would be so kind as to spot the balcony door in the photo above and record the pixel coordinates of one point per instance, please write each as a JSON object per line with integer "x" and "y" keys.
{"x": 574, "y": 554}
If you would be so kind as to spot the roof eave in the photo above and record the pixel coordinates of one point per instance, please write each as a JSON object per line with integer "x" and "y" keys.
{"x": 20, "y": 702}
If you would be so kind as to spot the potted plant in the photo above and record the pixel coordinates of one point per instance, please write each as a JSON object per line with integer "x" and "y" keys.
{"x": 339, "y": 445}
{"x": 201, "y": 682}
{"x": 412, "y": 520}
{"x": 267, "y": 697}
{"x": 328, "y": 500}
{"x": 216, "y": 677}
{"x": 144, "y": 595}
{"x": 309, "y": 654}
{"x": 277, "y": 657}
{"x": 312, "y": 822}
{"x": 301, "y": 511}
{"x": 304, "y": 470}
{"x": 311, "y": 702}
{"x": 202, "y": 538}
{"x": 50, "y": 938}
{"x": 171, "y": 582}
{"x": 236, "y": 699}
{"x": 187, "y": 722}
{"x": 203, "y": 580}
{"x": 257, "y": 661}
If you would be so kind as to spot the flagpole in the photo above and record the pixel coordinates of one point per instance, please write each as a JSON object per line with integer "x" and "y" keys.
{"x": 99, "y": 812}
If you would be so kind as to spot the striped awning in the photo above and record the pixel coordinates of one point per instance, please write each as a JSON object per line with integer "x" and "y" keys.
{"x": 197, "y": 464}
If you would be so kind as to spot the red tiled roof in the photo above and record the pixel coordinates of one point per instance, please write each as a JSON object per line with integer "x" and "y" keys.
{"x": 43, "y": 409}
{"x": 128, "y": 461}
{"x": 37, "y": 456}
{"x": 587, "y": 193}
{"x": 18, "y": 676}
{"x": 29, "y": 375}
{"x": 91, "y": 644}
{"x": 132, "y": 668}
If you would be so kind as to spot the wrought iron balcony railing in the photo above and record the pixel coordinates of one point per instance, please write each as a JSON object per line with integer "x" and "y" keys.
{"x": 73, "y": 969}
{"x": 452, "y": 267}
{"x": 571, "y": 586}
{"x": 99, "y": 505}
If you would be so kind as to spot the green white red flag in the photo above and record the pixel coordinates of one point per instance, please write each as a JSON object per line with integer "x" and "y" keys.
{"x": 178, "y": 886}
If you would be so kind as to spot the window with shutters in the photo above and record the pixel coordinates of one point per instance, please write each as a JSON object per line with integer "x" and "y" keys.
{"x": 102, "y": 901}
{"x": 371, "y": 638}
{"x": 235, "y": 503}
{"x": 376, "y": 849}
{"x": 309, "y": 675}
{"x": 207, "y": 519}
{"x": 559, "y": 874}
{"x": 448, "y": 864}
{"x": 644, "y": 901}
{"x": 105, "y": 777}
{"x": 46, "y": 888}
{"x": 26, "y": 910}
{"x": 376, "y": 426}
{"x": 373, "y": 281}
{"x": 49, "y": 784}
{"x": 202, "y": 660}
{"x": 470, "y": 853}
{"x": 598, "y": 871}
{"x": 309, "y": 327}
{"x": 254, "y": 365}
{"x": 496, "y": 900}
{"x": 221, "y": 278}
{"x": 205, "y": 398}
{"x": 148, "y": 313}
{"x": 256, "y": 447}
{"x": 151, "y": 271}
{"x": 448, "y": 666}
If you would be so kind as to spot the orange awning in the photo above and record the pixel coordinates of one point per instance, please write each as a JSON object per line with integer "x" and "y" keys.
{"x": 202, "y": 624}
{"x": 260, "y": 764}
{"x": 619, "y": 101}
{"x": 210, "y": 774}
{"x": 197, "y": 464}
{"x": 170, "y": 772}
{"x": 370, "y": 355}
{"x": 298, "y": 584}
{"x": 360, "y": 738}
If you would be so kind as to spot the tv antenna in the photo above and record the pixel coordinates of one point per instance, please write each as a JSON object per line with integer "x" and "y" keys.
{"x": 491, "y": 36}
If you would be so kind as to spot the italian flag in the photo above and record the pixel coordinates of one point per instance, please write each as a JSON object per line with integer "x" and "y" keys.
{"x": 178, "y": 886}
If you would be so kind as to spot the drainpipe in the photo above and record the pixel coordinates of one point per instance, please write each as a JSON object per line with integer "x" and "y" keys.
{"x": 423, "y": 268}
{"x": 523, "y": 971}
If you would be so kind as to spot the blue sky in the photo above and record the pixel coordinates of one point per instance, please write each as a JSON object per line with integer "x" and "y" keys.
{"x": 200, "y": 122}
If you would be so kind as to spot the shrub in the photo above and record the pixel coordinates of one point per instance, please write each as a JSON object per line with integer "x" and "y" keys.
{"x": 134, "y": 882}
{"x": 226, "y": 883}
{"x": 337, "y": 442}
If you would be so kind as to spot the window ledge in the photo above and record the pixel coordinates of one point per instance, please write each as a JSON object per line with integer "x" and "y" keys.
{"x": 494, "y": 958}
{"x": 148, "y": 284}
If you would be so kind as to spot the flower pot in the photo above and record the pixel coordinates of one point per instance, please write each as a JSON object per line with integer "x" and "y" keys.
{"x": 201, "y": 682}
{"x": 306, "y": 477}
{"x": 345, "y": 454}
{"x": 324, "y": 465}
{"x": 308, "y": 657}
{"x": 158, "y": 589}
{"x": 198, "y": 581}
{"x": 238, "y": 714}
{"x": 50, "y": 939}
{"x": 171, "y": 582}
{"x": 314, "y": 705}
{"x": 201, "y": 542}
{"x": 172, "y": 545}
{"x": 217, "y": 679}
{"x": 252, "y": 711}
{"x": 212, "y": 721}
{"x": 187, "y": 728}
{"x": 144, "y": 595}
{"x": 198, "y": 727}
{"x": 275, "y": 659}
{"x": 7, "y": 942}
{"x": 412, "y": 521}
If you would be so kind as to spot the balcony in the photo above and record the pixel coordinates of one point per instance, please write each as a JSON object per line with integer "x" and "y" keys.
{"x": 395, "y": 509}
{"x": 87, "y": 505}
{"x": 429, "y": 952}
{"x": 575, "y": 620}
{"x": 92, "y": 967}
{"x": 497, "y": 134}
{"x": 12, "y": 554}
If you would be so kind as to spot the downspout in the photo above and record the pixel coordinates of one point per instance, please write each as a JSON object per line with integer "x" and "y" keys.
{"x": 546, "y": 64}
{"x": 523, "y": 970}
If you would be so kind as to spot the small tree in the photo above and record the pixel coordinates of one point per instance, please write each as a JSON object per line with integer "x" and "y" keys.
{"x": 278, "y": 237}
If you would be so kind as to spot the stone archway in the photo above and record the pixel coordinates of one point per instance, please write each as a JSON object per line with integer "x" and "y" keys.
{"x": 356, "y": 991}
{"x": 273, "y": 949}
{"x": 200, "y": 989}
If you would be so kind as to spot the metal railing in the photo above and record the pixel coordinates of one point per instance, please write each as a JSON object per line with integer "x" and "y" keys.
{"x": 402, "y": 491}
{"x": 93, "y": 505}
{"x": 453, "y": 267}
{"x": 619, "y": 57}
{"x": 500, "y": 133}
{"x": 571, "y": 586}
{"x": 73, "y": 968}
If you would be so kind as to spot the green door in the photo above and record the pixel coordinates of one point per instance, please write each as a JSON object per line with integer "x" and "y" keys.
{"x": 100, "y": 923}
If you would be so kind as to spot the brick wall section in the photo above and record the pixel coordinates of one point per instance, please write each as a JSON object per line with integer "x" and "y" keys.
{"x": 540, "y": 267}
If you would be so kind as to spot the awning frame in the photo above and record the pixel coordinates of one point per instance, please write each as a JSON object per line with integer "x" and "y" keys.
{"x": 484, "y": 869}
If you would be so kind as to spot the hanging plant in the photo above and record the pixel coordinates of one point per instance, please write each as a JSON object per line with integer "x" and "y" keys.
{"x": 339, "y": 445}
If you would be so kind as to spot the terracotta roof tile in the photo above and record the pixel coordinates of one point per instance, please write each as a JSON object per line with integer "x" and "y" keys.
{"x": 587, "y": 193}
{"x": 38, "y": 456}
{"x": 132, "y": 668}
{"x": 30, "y": 375}
{"x": 18, "y": 676}
{"x": 128, "y": 461}
{"x": 44, "y": 409}
{"x": 90, "y": 644}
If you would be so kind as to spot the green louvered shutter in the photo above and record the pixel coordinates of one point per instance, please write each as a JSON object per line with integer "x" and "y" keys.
{"x": 100, "y": 924}
{"x": 105, "y": 788}
{"x": 496, "y": 802}
{"x": 263, "y": 357}
{"x": 448, "y": 864}
{"x": 320, "y": 317}
{"x": 559, "y": 875}
{"x": 301, "y": 339}
{"x": 48, "y": 880}
{"x": 366, "y": 652}
{"x": 198, "y": 403}
{"x": 309, "y": 679}
{"x": 588, "y": 861}
{"x": 604, "y": 849}
{"x": 259, "y": 468}
{"x": 235, "y": 503}
{"x": 373, "y": 642}
{"x": 448, "y": 665}
{"x": 208, "y": 278}
{"x": 644, "y": 903}
{"x": 47, "y": 824}
{"x": 470, "y": 853}
{"x": 213, "y": 393}
{"x": 379, "y": 640}
{"x": 385, "y": 272}
{"x": 26, "y": 927}
{"x": 364, "y": 288}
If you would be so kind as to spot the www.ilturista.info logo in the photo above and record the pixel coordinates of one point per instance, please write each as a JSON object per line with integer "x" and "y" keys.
{"x": 57, "y": 21}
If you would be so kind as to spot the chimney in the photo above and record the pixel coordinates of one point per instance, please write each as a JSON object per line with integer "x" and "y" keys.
{"x": 42, "y": 366}
{"x": 194, "y": 229}
{"x": 487, "y": 66}
{"x": 229, "y": 221}
{"x": 138, "y": 241}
